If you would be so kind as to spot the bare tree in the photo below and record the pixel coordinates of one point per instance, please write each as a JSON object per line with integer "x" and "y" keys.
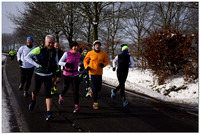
{"x": 176, "y": 15}
{"x": 8, "y": 42}
{"x": 137, "y": 23}
{"x": 33, "y": 21}
{"x": 112, "y": 26}
{"x": 93, "y": 12}
{"x": 77, "y": 20}
{"x": 57, "y": 18}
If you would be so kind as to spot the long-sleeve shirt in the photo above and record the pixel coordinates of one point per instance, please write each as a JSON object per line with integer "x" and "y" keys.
{"x": 46, "y": 58}
{"x": 72, "y": 58}
{"x": 93, "y": 60}
{"x": 22, "y": 53}
{"x": 62, "y": 60}
{"x": 131, "y": 61}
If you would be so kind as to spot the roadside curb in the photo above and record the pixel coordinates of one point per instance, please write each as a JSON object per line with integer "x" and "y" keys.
{"x": 16, "y": 107}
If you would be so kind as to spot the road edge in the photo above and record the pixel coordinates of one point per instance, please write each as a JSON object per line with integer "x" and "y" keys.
{"x": 173, "y": 105}
{"x": 19, "y": 117}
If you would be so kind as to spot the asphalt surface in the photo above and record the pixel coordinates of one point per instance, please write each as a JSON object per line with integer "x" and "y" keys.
{"x": 143, "y": 114}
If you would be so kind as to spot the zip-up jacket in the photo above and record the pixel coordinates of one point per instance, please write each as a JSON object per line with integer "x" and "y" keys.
{"x": 22, "y": 52}
{"x": 93, "y": 60}
{"x": 46, "y": 60}
{"x": 73, "y": 58}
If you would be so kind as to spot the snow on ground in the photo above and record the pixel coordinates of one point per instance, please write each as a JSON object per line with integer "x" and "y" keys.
{"x": 6, "y": 116}
{"x": 3, "y": 58}
{"x": 144, "y": 82}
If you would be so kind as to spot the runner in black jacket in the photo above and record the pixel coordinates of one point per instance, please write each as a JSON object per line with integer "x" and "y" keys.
{"x": 124, "y": 60}
{"x": 46, "y": 63}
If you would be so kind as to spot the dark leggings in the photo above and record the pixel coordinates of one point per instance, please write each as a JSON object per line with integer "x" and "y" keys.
{"x": 12, "y": 57}
{"x": 74, "y": 81}
{"x": 47, "y": 84}
{"x": 121, "y": 76}
{"x": 86, "y": 78}
{"x": 96, "y": 83}
{"x": 26, "y": 76}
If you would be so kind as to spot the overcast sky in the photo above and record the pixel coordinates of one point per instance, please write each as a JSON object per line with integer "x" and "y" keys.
{"x": 13, "y": 8}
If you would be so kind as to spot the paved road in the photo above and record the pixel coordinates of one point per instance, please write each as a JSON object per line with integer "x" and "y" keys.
{"x": 142, "y": 115}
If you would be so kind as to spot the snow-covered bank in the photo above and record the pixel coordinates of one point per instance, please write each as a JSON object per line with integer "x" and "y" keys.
{"x": 143, "y": 82}
{"x": 3, "y": 58}
{"x": 6, "y": 116}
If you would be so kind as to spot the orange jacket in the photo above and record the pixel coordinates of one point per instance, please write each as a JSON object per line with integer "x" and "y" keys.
{"x": 93, "y": 60}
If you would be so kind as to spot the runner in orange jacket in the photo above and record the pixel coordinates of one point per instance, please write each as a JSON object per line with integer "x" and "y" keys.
{"x": 94, "y": 62}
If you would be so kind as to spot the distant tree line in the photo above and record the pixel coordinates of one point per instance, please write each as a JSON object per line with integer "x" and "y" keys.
{"x": 114, "y": 23}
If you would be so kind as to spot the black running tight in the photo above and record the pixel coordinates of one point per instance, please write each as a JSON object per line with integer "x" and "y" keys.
{"x": 96, "y": 83}
{"x": 74, "y": 81}
{"x": 26, "y": 76}
{"x": 121, "y": 76}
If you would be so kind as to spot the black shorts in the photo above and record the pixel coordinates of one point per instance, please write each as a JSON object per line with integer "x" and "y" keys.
{"x": 47, "y": 84}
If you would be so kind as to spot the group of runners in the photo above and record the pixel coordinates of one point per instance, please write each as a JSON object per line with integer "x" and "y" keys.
{"x": 46, "y": 61}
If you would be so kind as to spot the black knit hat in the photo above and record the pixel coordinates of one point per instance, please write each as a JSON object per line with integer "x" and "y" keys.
{"x": 73, "y": 43}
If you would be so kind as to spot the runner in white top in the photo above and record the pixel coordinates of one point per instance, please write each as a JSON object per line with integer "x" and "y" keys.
{"x": 25, "y": 67}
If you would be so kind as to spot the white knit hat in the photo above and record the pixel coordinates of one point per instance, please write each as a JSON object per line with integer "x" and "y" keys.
{"x": 96, "y": 42}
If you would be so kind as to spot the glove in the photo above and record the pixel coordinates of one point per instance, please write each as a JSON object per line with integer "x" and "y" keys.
{"x": 69, "y": 65}
{"x": 58, "y": 73}
{"x": 20, "y": 63}
{"x": 88, "y": 68}
{"x": 114, "y": 68}
{"x": 101, "y": 65}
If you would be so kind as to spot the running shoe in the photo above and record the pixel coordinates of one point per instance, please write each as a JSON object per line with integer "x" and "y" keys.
{"x": 60, "y": 100}
{"x": 125, "y": 103}
{"x": 112, "y": 94}
{"x": 49, "y": 116}
{"x": 76, "y": 109}
{"x": 96, "y": 105}
{"x": 87, "y": 94}
{"x": 90, "y": 90}
{"x": 32, "y": 105}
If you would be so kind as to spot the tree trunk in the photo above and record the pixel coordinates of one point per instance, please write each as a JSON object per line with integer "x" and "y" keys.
{"x": 95, "y": 23}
